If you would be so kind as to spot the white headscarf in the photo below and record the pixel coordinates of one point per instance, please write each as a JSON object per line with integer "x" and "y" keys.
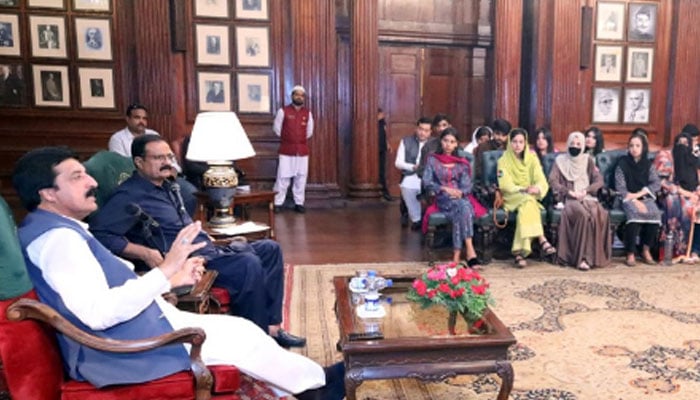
{"x": 575, "y": 169}
{"x": 475, "y": 143}
{"x": 298, "y": 88}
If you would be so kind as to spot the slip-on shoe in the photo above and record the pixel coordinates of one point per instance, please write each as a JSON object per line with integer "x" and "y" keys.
{"x": 334, "y": 388}
{"x": 287, "y": 340}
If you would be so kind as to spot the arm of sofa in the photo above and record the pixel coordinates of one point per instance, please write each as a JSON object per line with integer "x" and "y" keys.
{"x": 28, "y": 308}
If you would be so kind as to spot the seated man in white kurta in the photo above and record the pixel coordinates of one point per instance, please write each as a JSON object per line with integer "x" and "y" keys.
{"x": 99, "y": 292}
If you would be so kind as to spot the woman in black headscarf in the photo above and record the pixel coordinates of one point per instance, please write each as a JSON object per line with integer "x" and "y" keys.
{"x": 637, "y": 182}
{"x": 679, "y": 179}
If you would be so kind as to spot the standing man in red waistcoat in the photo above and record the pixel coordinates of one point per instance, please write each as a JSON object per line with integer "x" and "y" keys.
{"x": 294, "y": 124}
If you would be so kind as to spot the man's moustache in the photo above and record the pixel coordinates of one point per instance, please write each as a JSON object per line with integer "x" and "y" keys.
{"x": 92, "y": 192}
{"x": 166, "y": 168}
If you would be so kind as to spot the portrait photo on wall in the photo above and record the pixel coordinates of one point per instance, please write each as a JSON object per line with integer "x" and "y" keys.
{"x": 637, "y": 103}
{"x": 94, "y": 39}
{"x": 212, "y": 44}
{"x": 92, "y": 5}
{"x": 642, "y": 22}
{"x": 640, "y": 64}
{"x": 96, "y": 87}
{"x": 606, "y": 105}
{"x": 610, "y": 21}
{"x": 608, "y": 63}
{"x": 9, "y": 3}
{"x": 211, "y": 8}
{"x": 252, "y": 46}
{"x": 214, "y": 91}
{"x": 51, "y": 85}
{"x": 12, "y": 85}
{"x": 252, "y": 9}
{"x": 254, "y": 93}
{"x": 9, "y": 35}
{"x": 48, "y": 36}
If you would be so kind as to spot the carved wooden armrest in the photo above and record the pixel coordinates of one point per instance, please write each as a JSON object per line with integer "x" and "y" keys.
{"x": 28, "y": 308}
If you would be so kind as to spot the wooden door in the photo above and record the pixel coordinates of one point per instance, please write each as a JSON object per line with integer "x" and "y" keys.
{"x": 422, "y": 81}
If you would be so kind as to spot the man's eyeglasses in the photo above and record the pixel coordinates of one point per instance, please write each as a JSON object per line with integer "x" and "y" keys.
{"x": 606, "y": 101}
{"x": 162, "y": 157}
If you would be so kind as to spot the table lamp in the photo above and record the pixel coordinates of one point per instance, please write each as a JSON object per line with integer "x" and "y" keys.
{"x": 218, "y": 138}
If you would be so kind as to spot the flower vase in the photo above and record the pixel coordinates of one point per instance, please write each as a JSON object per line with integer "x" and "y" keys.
{"x": 452, "y": 322}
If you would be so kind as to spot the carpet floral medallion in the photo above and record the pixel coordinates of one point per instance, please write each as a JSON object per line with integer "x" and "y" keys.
{"x": 616, "y": 333}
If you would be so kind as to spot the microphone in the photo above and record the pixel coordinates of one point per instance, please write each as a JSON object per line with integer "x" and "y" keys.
{"x": 136, "y": 211}
{"x": 175, "y": 188}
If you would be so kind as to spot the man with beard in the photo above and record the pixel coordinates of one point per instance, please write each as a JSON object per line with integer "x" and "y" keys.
{"x": 136, "y": 126}
{"x": 294, "y": 124}
{"x": 500, "y": 127}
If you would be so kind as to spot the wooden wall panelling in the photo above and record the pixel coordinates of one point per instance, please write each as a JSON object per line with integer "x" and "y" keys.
{"x": 364, "y": 87}
{"x": 684, "y": 77}
{"x": 345, "y": 113}
{"x": 312, "y": 25}
{"x": 507, "y": 54}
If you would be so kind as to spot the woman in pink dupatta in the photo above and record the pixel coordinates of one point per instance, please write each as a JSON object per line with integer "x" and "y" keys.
{"x": 448, "y": 176}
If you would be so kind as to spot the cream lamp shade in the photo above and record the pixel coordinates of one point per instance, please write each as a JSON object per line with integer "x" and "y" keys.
{"x": 218, "y": 137}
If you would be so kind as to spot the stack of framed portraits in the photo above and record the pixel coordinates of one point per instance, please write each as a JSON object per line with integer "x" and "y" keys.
{"x": 625, "y": 36}
{"x": 60, "y": 68}
{"x": 238, "y": 79}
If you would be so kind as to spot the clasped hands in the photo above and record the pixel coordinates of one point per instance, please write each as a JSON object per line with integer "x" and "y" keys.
{"x": 638, "y": 204}
{"x": 454, "y": 193}
{"x": 577, "y": 195}
{"x": 177, "y": 265}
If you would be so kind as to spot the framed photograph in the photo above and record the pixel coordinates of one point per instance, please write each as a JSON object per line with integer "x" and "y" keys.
{"x": 92, "y": 5}
{"x": 214, "y": 91}
{"x": 252, "y": 9}
{"x": 46, "y": 3}
{"x": 211, "y": 8}
{"x": 254, "y": 93}
{"x": 637, "y": 106}
{"x": 9, "y": 35}
{"x": 12, "y": 90}
{"x": 51, "y": 85}
{"x": 93, "y": 39}
{"x": 610, "y": 21}
{"x": 212, "y": 45}
{"x": 253, "y": 46}
{"x": 9, "y": 3}
{"x": 96, "y": 87}
{"x": 48, "y": 36}
{"x": 608, "y": 63}
{"x": 606, "y": 105}
{"x": 640, "y": 64}
{"x": 642, "y": 22}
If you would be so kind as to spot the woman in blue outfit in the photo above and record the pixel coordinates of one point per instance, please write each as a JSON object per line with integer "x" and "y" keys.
{"x": 448, "y": 176}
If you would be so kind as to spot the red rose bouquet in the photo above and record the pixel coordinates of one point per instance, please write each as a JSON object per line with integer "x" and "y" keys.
{"x": 459, "y": 289}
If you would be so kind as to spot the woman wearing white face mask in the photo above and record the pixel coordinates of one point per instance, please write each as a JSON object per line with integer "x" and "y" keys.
{"x": 584, "y": 230}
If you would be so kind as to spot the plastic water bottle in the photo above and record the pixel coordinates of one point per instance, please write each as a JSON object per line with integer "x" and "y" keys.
{"x": 668, "y": 249}
{"x": 374, "y": 285}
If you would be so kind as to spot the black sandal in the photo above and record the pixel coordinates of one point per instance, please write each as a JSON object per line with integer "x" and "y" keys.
{"x": 473, "y": 263}
{"x": 520, "y": 262}
{"x": 547, "y": 247}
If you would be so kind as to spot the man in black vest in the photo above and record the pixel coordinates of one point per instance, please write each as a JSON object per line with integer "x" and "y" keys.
{"x": 407, "y": 160}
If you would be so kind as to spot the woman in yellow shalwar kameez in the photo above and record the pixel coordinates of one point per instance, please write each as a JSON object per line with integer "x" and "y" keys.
{"x": 523, "y": 184}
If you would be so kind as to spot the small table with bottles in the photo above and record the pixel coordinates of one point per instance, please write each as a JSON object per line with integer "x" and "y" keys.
{"x": 400, "y": 345}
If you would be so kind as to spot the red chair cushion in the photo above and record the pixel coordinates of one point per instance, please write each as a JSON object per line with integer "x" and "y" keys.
{"x": 177, "y": 386}
{"x": 30, "y": 357}
{"x": 221, "y": 295}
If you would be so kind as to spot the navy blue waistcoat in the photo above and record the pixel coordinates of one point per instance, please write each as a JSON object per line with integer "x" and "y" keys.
{"x": 98, "y": 367}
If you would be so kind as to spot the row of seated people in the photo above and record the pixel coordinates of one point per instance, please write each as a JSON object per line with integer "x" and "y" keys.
{"x": 87, "y": 284}
{"x": 580, "y": 222}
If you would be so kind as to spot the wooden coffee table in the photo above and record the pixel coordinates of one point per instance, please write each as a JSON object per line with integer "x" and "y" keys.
{"x": 409, "y": 350}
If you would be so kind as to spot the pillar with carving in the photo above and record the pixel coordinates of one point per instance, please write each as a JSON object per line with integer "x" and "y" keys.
{"x": 364, "y": 48}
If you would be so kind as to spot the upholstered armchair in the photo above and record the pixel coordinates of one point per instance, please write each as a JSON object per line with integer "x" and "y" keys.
{"x": 30, "y": 360}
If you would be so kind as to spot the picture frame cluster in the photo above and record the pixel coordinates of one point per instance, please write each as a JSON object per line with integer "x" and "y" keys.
{"x": 625, "y": 34}
{"x": 57, "y": 69}
{"x": 249, "y": 59}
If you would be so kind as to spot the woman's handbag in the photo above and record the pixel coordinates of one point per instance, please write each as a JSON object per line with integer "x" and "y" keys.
{"x": 498, "y": 202}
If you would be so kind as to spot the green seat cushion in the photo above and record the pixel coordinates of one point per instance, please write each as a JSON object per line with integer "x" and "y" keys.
{"x": 14, "y": 280}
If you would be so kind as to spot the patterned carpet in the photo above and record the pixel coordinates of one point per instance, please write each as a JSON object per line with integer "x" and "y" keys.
{"x": 614, "y": 333}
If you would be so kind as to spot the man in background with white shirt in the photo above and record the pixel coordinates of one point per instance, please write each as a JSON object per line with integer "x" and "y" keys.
{"x": 407, "y": 160}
